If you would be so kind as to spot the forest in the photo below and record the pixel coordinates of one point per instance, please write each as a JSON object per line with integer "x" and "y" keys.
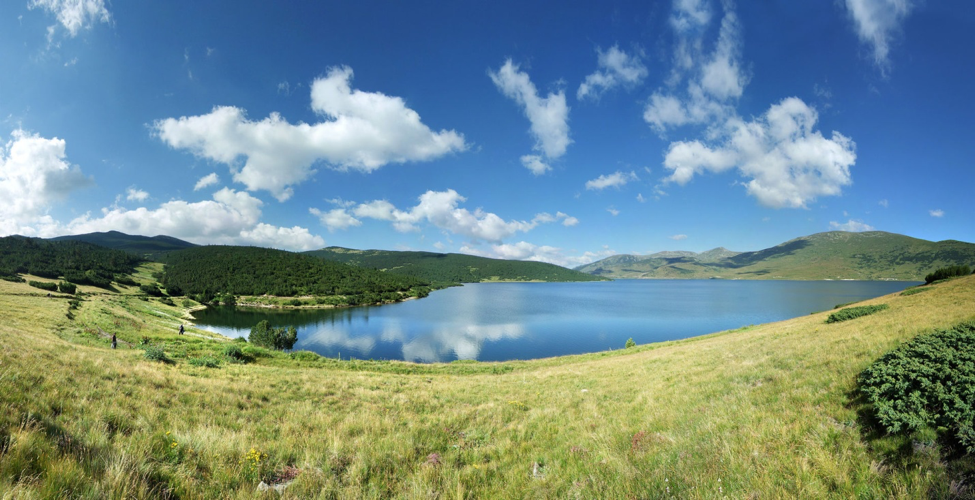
{"x": 218, "y": 270}
{"x": 446, "y": 269}
{"x": 77, "y": 262}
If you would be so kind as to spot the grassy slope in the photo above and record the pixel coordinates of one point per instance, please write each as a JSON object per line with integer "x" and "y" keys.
{"x": 833, "y": 255}
{"x": 761, "y": 411}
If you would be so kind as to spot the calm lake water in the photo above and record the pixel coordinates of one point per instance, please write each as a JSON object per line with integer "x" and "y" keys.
{"x": 503, "y": 321}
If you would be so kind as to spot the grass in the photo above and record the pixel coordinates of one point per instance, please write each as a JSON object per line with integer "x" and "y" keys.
{"x": 764, "y": 411}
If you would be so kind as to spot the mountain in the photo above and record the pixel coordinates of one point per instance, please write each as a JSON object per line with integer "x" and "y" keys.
{"x": 79, "y": 262}
{"x": 874, "y": 255}
{"x": 144, "y": 246}
{"x": 441, "y": 268}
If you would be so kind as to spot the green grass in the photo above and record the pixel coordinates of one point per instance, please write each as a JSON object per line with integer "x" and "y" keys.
{"x": 763, "y": 411}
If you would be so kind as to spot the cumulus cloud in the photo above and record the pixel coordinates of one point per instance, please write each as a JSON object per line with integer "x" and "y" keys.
{"x": 524, "y": 250}
{"x": 549, "y": 116}
{"x": 361, "y": 130}
{"x": 612, "y": 211}
{"x": 936, "y": 212}
{"x": 877, "y": 23}
{"x": 787, "y": 162}
{"x": 74, "y": 15}
{"x": 851, "y": 225}
{"x": 679, "y": 237}
{"x": 206, "y": 181}
{"x": 535, "y": 164}
{"x": 615, "y": 68}
{"x": 713, "y": 81}
{"x": 135, "y": 194}
{"x": 616, "y": 180}
{"x": 230, "y": 218}
{"x": 335, "y": 219}
{"x": 34, "y": 175}
{"x": 440, "y": 209}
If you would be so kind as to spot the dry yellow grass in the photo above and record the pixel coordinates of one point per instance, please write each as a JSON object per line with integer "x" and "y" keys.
{"x": 764, "y": 411}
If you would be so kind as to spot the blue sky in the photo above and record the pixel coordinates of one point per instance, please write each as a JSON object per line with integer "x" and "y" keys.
{"x": 559, "y": 131}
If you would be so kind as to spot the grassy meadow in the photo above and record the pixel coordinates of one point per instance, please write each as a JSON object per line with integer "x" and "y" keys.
{"x": 758, "y": 412}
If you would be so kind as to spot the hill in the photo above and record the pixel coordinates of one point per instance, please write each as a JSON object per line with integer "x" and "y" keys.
{"x": 874, "y": 255}
{"x": 217, "y": 270}
{"x": 761, "y": 411}
{"x": 450, "y": 268}
{"x": 75, "y": 261}
{"x": 144, "y": 246}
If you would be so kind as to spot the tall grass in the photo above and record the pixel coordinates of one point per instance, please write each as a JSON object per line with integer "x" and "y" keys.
{"x": 765, "y": 411}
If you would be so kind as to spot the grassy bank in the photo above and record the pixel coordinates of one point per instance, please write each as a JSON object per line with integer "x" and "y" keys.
{"x": 769, "y": 410}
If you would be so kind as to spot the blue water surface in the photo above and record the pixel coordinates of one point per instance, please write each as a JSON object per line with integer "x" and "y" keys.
{"x": 505, "y": 321}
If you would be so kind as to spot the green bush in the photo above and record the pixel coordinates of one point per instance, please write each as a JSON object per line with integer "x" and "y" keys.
{"x": 265, "y": 335}
{"x": 152, "y": 290}
{"x": 305, "y": 356}
{"x": 630, "y": 343}
{"x": 68, "y": 288}
{"x": 43, "y": 285}
{"x": 155, "y": 353}
{"x": 205, "y": 361}
{"x": 234, "y": 352}
{"x": 914, "y": 290}
{"x": 13, "y": 278}
{"x": 948, "y": 272}
{"x": 854, "y": 312}
{"x": 168, "y": 301}
{"x": 927, "y": 384}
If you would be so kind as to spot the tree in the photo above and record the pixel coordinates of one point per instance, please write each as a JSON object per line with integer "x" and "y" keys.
{"x": 630, "y": 343}
{"x": 265, "y": 335}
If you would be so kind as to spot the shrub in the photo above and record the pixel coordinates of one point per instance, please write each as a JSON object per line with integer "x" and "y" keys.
{"x": 205, "y": 361}
{"x": 914, "y": 290}
{"x": 948, "y": 272}
{"x": 152, "y": 290}
{"x": 265, "y": 335}
{"x": 630, "y": 343}
{"x": 854, "y": 312}
{"x": 68, "y": 288}
{"x": 43, "y": 285}
{"x": 927, "y": 384}
{"x": 122, "y": 279}
{"x": 168, "y": 301}
{"x": 13, "y": 278}
{"x": 305, "y": 356}
{"x": 234, "y": 352}
{"x": 155, "y": 353}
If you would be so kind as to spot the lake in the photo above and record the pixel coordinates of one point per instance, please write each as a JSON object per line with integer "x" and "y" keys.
{"x": 505, "y": 321}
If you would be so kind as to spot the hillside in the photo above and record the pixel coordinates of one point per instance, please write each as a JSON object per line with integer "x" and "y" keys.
{"x": 450, "y": 268}
{"x": 75, "y": 261}
{"x": 234, "y": 270}
{"x": 144, "y": 246}
{"x": 871, "y": 255}
{"x": 761, "y": 411}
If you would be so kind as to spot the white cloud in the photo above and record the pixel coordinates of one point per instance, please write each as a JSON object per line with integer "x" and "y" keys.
{"x": 936, "y": 212}
{"x": 33, "y": 176}
{"x": 362, "y": 130}
{"x": 206, "y": 181}
{"x": 439, "y": 246}
{"x": 135, "y": 194}
{"x": 788, "y": 164}
{"x": 613, "y": 211}
{"x": 440, "y": 209}
{"x": 615, "y": 180}
{"x": 231, "y": 218}
{"x": 339, "y": 202}
{"x": 851, "y": 225}
{"x": 535, "y": 164}
{"x": 74, "y": 15}
{"x": 678, "y": 237}
{"x": 714, "y": 81}
{"x": 549, "y": 116}
{"x": 640, "y": 198}
{"x": 537, "y": 253}
{"x": 884, "y": 203}
{"x": 616, "y": 68}
{"x": 877, "y": 23}
{"x": 335, "y": 219}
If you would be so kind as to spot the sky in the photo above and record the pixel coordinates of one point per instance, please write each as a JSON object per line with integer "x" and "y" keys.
{"x": 562, "y": 132}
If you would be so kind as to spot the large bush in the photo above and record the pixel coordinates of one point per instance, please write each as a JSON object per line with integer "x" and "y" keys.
{"x": 65, "y": 287}
{"x": 854, "y": 312}
{"x": 265, "y": 335}
{"x": 43, "y": 285}
{"x": 948, "y": 272}
{"x": 928, "y": 383}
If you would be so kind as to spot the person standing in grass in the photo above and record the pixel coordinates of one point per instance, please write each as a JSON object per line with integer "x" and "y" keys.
{"x": 180, "y": 329}
{"x": 114, "y": 341}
